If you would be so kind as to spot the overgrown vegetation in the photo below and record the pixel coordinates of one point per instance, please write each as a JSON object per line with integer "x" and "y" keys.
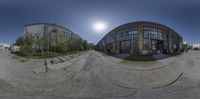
{"x": 47, "y": 54}
{"x": 37, "y": 46}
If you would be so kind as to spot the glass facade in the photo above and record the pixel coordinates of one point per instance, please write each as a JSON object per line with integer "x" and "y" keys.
{"x": 131, "y": 36}
{"x": 141, "y": 38}
{"x": 155, "y": 39}
{"x": 128, "y": 36}
{"x": 125, "y": 46}
{"x": 109, "y": 43}
{"x": 123, "y": 40}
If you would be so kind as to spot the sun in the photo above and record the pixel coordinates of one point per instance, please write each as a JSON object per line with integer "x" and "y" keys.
{"x": 99, "y": 26}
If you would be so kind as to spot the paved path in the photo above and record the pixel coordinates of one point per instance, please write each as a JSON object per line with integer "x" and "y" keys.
{"x": 141, "y": 78}
{"x": 93, "y": 75}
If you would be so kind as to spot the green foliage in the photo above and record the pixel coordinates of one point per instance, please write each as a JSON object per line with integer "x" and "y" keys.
{"x": 44, "y": 54}
{"x": 75, "y": 45}
{"x": 19, "y": 41}
{"x": 91, "y": 46}
{"x": 49, "y": 46}
{"x": 28, "y": 41}
{"x": 86, "y": 45}
{"x": 23, "y": 51}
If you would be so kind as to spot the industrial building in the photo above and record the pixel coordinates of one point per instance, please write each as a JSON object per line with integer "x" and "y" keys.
{"x": 196, "y": 46}
{"x": 4, "y": 47}
{"x": 141, "y": 38}
{"x": 49, "y": 35}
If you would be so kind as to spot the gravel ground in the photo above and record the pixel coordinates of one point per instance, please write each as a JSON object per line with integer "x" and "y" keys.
{"x": 93, "y": 75}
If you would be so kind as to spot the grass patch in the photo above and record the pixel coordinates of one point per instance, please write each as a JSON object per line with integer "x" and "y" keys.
{"x": 140, "y": 63}
{"x": 39, "y": 55}
{"x": 141, "y": 58}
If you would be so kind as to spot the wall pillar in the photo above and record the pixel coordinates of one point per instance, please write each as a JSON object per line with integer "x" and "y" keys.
{"x": 170, "y": 42}
{"x": 113, "y": 44}
{"x": 141, "y": 39}
{"x": 132, "y": 50}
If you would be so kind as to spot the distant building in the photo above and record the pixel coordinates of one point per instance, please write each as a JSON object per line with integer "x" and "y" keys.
{"x": 185, "y": 46}
{"x": 141, "y": 38}
{"x": 196, "y": 46}
{"x": 50, "y": 33}
{"x": 4, "y": 46}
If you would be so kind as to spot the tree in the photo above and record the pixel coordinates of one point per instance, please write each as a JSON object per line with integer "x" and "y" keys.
{"x": 85, "y": 45}
{"x": 38, "y": 40}
{"x": 19, "y": 41}
{"x": 23, "y": 50}
{"x": 76, "y": 45}
{"x": 61, "y": 43}
{"x": 28, "y": 41}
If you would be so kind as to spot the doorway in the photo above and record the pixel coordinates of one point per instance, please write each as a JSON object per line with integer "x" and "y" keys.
{"x": 157, "y": 46}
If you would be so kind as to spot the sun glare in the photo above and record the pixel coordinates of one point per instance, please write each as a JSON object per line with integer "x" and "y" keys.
{"x": 99, "y": 26}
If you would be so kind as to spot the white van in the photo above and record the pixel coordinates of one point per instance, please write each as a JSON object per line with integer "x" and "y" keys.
{"x": 15, "y": 49}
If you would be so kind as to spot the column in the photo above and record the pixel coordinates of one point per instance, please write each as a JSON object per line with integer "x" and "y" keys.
{"x": 141, "y": 39}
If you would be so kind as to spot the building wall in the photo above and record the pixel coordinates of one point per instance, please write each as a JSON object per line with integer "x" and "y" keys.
{"x": 34, "y": 29}
{"x": 51, "y": 33}
{"x": 134, "y": 34}
{"x": 195, "y": 46}
{"x": 4, "y": 47}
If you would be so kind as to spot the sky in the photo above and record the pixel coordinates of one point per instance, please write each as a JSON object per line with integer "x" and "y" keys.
{"x": 183, "y": 16}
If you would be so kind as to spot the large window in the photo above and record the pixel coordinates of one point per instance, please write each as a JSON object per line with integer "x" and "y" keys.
{"x": 127, "y": 34}
{"x": 175, "y": 42}
{"x": 125, "y": 46}
{"x": 109, "y": 43}
{"x": 109, "y": 39}
{"x": 155, "y": 39}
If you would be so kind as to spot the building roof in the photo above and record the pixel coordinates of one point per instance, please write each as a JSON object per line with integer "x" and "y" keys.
{"x": 51, "y": 24}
